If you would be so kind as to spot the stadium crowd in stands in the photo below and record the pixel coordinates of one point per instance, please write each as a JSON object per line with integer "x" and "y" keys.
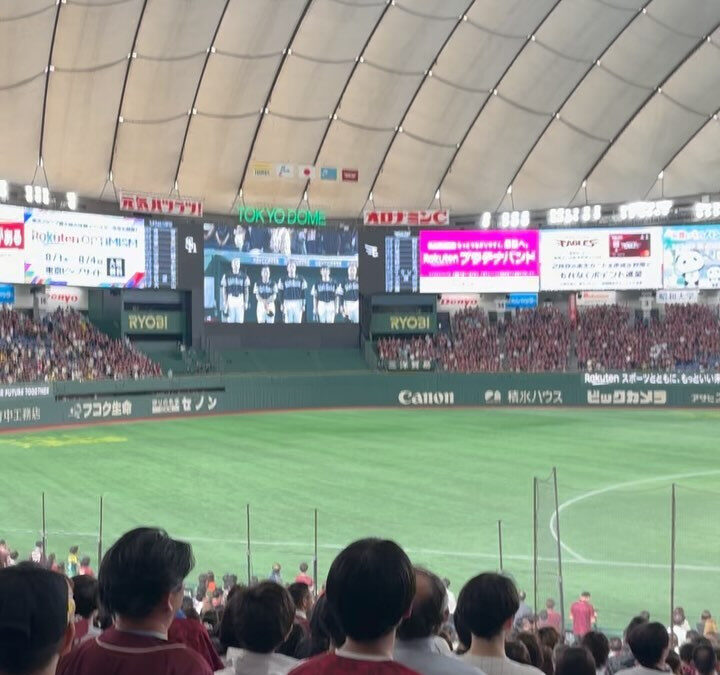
{"x": 607, "y": 338}
{"x": 376, "y": 615}
{"x": 64, "y": 346}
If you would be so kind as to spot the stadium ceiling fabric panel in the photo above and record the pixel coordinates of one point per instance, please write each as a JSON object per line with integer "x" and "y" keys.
{"x": 324, "y": 53}
{"x": 408, "y": 96}
{"x": 404, "y": 46}
{"x": 26, "y": 31}
{"x": 90, "y": 59}
{"x": 249, "y": 50}
{"x": 171, "y": 50}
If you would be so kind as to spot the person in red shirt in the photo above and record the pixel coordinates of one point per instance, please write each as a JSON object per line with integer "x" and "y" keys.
{"x": 303, "y": 577}
{"x": 553, "y": 616}
{"x": 85, "y": 569}
{"x": 370, "y": 589}
{"x": 583, "y": 615}
{"x": 141, "y": 586}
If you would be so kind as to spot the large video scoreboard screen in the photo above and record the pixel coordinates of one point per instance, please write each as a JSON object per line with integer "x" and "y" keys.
{"x": 281, "y": 274}
{"x": 43, "y": 247}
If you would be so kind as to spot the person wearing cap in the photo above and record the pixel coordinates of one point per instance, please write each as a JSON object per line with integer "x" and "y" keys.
{"x": 36, "y": 620}
{"x": 141, "y": 586}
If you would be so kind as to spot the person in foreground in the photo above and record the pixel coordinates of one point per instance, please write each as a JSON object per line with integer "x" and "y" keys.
{"x": 417, "y": 646}
{"x": 36, "y": 620}
{"x": 649, "y": 643}
{"x": 255, "y": 623}
{"x": 486, "y": 608}
{"x": 141, "y": 586}
{"x": 370, "y": 589}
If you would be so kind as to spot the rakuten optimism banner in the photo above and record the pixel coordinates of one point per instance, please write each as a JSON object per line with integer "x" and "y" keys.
{"x": 80, "y": 249}
{"x": 602, "y": 259}
{"x": 479, "y": 261}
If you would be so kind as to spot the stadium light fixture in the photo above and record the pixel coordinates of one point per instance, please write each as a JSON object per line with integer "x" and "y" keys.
{"x": 4, "y": 190}
{"x": 29, "y": 194}
{"x": 72, "y": 200}
{"x": 645, "y": 210}
{"x": 45, "y": 196}
{"x": 525, "y": 219}
{"x": 505, "y": 220}
{"x": 486, "y": 220}
{"x": 706, "y": 210}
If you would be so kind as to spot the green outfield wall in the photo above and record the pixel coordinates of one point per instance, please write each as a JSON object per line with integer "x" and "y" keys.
{"x": 68, "y": 403}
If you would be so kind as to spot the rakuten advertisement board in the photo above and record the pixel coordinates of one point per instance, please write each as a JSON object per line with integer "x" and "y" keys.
{"x": 692, "y": 256}
{"x": 479, "y": 261}
{"x": 39, "y": 246}
{"x": 601, "y": 259}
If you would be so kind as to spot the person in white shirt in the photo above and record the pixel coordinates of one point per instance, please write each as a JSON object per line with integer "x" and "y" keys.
{"x": 650, "y": 644}
{"x": 486, "y": 609}
{"x": 259, "y": 618}
{"x": 680, "y": 625}
{"x": 451, "y": 600}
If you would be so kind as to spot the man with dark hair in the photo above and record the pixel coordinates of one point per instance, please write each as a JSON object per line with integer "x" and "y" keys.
{"x": 624, "y": 659}
{"x": 141, "y": 586}
{"x": 704, "y": 660}
{"x": 649, "y": 643}
{"x": 36, "y": 620}
{"x": 85, "y": 591}
{"x": 552, "y": 617}
{"x": 300, "y": 593}
{"x": 523, "y": 612}
{"x": 583, "y": 615}
{"x": 486, "y": 607}
{"x": 416, "y": 645}
{"x": 370, "y": 588}
{"x": 599, "y": 646}
{"x": 303, "y": 577}
{"x": 256, "y": 621}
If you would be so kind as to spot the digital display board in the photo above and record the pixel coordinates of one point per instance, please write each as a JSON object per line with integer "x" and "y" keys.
{"x": 42, "y": 247}
{"x": 490, "y": 261}
{"x": 691, "y": 256}
{"x": 601, "y": 259}
{"x": 280, "y": 275}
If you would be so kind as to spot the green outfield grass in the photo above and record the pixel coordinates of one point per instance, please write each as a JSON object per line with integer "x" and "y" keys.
{"x": 436, "y": 480}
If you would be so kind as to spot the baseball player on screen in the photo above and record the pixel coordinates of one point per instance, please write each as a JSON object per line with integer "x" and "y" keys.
{"x": 351, "y": 295}
{"x": 325, "y": 298}
{"x": 265, "y": 292}
{"x": 235, "y": 294}
{"x": 293, "y": 290}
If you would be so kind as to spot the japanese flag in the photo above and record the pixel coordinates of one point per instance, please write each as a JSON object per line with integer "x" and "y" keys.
{"x": 306, "y": 171}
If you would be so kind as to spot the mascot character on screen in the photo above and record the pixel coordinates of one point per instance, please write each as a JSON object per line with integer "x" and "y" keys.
{"x": 688, "y": 265}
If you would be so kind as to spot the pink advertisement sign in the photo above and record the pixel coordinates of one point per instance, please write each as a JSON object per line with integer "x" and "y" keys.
{"x": 491, "y": 261}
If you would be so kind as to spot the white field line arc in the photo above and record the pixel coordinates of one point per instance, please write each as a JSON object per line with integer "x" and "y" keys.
{"x": 611, "y": 488}
{"x": 307, "y": 547}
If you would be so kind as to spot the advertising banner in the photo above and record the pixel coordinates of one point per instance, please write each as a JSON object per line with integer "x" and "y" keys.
{"x": 521, "y": 301}
{"x": 65, "y": 297}
{"x": 479, "y": 261}
{"x": 677, "y": 297}
{"x": 158, "y": 204}
{"x": 7, "y": 294}
{"x": 161, "y": 323}
{"x": 602, "y": 259}
{"x": 691, "y": 256}
{"x": 61, "y": 248}
{"x": 392, "y": 218}
{"x": 592, "y": 298}
{"x": 397, "y": 324}
{"x": 452, "y": 303}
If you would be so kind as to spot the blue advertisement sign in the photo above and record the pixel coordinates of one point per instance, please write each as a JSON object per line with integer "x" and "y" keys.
{"x": 521, "y": 301}
{"x": 7, "y": 294}
{"x": 691, "y": 256}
